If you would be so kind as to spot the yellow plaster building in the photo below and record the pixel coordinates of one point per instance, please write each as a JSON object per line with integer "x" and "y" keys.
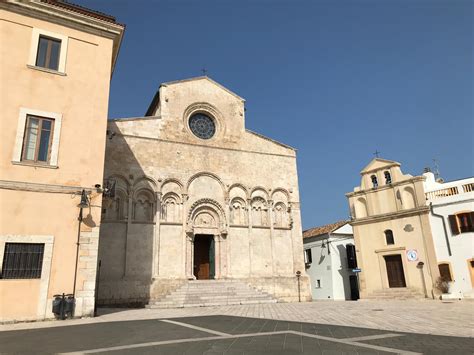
{"x": 392, "y": 233}
{"x": 55, "y": 70}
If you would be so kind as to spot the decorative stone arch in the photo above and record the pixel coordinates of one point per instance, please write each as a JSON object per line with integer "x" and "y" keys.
{"x": 208, "y": 174}
{"x": 259, "y": 208}
{"x": 282, "y": 190}
{"x": 120, "y": 179}
{"x": 116, "y": 208}
{"x": 281, "y": 215}
{"x": 256, "y": 189}
{"x": 360, "y": 206}
{"x": 144, "y": 205}
{"x": 144, "y": 180}
{"x": 238, "y": 185}
{"x": 171, "y": 206}
{"x": 175, "y": 181}
{"x": 206, "y": 216}
{"x": 213, "y": 208}
{"x": 408, "y": 198}
{"x": 238, "y": 212}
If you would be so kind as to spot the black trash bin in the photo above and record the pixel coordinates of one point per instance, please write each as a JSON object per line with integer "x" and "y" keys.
{"x": 63, "y": 306}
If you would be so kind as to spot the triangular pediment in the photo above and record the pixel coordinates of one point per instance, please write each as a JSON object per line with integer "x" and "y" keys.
{"x": 203, "y": 78}
{"x": 379, "y": 163}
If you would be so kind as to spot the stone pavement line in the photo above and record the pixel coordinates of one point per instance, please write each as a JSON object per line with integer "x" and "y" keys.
{"x": 195, "y": 327}
{"x": 229, "y": 336}
{"x": 374, "y": 337}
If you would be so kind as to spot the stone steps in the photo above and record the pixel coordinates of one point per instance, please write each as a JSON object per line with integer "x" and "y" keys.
{"x": 395, "y": 293}
{"x": 206, "y": 293}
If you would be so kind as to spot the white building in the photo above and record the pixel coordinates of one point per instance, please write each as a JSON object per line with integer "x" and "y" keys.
{"x": 330, "y": 258}
{"x": 452, "y": 225}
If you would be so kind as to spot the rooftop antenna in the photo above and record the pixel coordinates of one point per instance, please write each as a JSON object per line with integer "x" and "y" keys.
{"x": 436, "y": 171}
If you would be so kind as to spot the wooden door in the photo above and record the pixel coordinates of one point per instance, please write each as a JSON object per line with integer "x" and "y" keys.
{"x": 202, "y": 245}
{"x": 395, "y": 274}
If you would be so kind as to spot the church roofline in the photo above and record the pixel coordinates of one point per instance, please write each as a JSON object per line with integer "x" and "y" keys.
{"x": 156, "y": 99}
{"x": 134, "y": 118}
{"x": 269, "y": 139}
{"x": 202, "y": 78}
{"x": 367, "y": 168}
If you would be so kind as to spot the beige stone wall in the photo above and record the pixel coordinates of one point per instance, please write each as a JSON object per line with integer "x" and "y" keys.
{"x": 398, "y": 206}
{"x": 235, "y": 167}
{"x": 41, "y": 200}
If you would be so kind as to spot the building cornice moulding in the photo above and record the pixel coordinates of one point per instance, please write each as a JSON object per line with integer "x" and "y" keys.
{"x": 48, "y": 188}
{"x": 385, "y": 187}
{"x": 392, "y": 215}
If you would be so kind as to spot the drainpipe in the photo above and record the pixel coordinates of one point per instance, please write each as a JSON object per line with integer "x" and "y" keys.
{"x": 444, "y": 227}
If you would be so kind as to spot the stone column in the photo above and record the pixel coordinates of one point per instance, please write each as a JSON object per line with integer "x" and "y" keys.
{"x": 272, "y": 248}
{"x": 249, "y": 216}
{"x": 129, "y": 223}
{"x": 156, "y": 238}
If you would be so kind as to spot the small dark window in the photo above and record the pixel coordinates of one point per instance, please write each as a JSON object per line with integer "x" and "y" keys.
{"x": 445, "y": 272}
{"x": 388, "y": 177}
{"x": 48, "y": 53}
{"x": 38, "y": 138}
{"x": 22, "y": 261}
{"x": 375, "y": 183}
{"x": 308, "y": 258}
{"x": 389, "y": 237}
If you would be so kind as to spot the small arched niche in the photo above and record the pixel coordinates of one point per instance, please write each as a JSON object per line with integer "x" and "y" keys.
{"x": 360, "y": 206}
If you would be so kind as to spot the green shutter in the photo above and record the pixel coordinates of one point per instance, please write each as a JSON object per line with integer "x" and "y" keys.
{"x": 212, "y": 260}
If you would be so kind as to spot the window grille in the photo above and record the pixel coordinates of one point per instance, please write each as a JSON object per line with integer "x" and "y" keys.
{"x": 22, "y": 261}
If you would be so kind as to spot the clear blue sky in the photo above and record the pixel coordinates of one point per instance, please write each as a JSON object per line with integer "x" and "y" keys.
{"x": 335, "y": 79}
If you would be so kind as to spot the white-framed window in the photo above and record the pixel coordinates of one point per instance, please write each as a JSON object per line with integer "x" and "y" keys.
{"x": 308, "y": 258}
{"x": 48, "y": 51}
{"x": 317, "y": 284}
{"x": 37, "y": 138}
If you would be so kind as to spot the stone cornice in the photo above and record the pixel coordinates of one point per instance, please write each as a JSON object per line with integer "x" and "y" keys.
{"x": 385, "y": 187}
{"x": 47, "y": 188}
{"x": 389, "y": 216}
{"x": 204, "y": 146}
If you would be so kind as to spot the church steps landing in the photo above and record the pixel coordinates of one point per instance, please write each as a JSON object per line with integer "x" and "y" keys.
{"x": 395, "y": 293}
{"x": 212, "y": 293}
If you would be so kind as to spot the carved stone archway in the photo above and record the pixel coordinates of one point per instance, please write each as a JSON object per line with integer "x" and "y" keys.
{"x": 206, "y": 216}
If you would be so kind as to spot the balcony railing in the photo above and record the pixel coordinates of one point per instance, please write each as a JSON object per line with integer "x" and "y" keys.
{"x": 449, "y": 191}
{"x": 468, "y": 187}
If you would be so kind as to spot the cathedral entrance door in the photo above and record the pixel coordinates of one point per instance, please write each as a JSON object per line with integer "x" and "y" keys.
{"x": 204, "y": 268}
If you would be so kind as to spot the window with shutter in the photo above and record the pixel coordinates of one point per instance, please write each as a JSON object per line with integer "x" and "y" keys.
{"x": 465, "y": 222}
{"x": 453, "y": 222}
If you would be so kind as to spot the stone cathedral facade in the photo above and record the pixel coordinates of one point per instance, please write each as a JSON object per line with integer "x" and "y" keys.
{"x": 198, "y": 196}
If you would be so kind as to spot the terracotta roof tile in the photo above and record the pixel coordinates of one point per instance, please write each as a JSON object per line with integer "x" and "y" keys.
{"x": 82, "y": 10}
{"x": 328, "y": 228}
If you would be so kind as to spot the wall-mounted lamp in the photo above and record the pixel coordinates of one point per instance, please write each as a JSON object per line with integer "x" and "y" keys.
{"x": 84, "y": 201}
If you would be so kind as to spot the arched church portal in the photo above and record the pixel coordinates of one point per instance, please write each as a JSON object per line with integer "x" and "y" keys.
{"x": 206, "y": 245}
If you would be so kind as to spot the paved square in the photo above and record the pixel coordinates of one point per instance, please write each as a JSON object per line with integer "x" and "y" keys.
{"x": 224, "y": 335}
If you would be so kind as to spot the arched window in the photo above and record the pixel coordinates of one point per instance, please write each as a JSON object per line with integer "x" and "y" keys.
{"x": 375, "y": 183}
{"x": 388, "y": 177}
{"x": 389, "y": 237}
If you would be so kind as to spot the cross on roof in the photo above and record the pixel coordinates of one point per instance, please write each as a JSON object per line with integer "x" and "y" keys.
{"x": 204, "y": 71}
{"x": 377, "y": 153}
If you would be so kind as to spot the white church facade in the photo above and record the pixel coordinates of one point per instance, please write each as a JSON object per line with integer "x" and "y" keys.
{"x": 198, "y": 197}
